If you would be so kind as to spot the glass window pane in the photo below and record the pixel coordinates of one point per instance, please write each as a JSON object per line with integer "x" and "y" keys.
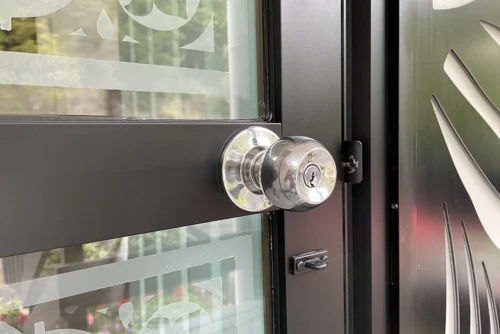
{"x": 187, "y": 59}
{"x": 206, "y": 278}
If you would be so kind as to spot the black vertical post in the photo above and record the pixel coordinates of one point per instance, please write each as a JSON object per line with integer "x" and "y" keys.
{"x": 370, "y": 205}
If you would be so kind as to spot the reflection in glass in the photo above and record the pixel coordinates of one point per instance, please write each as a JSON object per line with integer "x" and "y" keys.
{"x": 200, "y": 279}
{"x": 186, "y": 59}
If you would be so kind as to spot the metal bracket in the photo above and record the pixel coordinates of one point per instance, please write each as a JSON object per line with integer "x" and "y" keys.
{"x": 352, "y": 161}
{"x": 307, "y": 262}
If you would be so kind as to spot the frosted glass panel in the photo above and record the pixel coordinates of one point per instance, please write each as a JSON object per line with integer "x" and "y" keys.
{"x": 206, "y": 278}
{"x": 187, "y": 59}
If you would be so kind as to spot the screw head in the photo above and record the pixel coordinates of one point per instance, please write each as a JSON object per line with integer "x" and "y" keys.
{"x": 394, "y": 206}
{"x": 312, "y": 176}
{"x": 300, "y": 266}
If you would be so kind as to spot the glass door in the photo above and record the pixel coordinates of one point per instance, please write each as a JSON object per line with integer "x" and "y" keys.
{"x": 205, "y": 278}
{"x": 115, "y": 212}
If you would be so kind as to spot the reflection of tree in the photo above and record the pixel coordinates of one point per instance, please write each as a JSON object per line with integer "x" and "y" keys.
{"x": 51, "y": 35}
{"x": 15, "y": 318}
{"x": 86, "y": 317}
{"x": 90, "y": 252}
{"x": 152, "y": 243}
{"x": 24, "y": 37}
{"x": 164, "y": 6}
{"x": 163, "y": 48}
{"x": 52, "y": 261}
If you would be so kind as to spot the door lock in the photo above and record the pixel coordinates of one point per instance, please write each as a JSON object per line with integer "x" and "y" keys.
{"x": 307, "y": 262}
{"x": 259, "y": 170}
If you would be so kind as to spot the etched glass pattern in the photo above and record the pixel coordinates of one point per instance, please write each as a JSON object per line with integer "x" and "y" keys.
{"x": 187, "y": 59}
{"x": 206, "y": 278}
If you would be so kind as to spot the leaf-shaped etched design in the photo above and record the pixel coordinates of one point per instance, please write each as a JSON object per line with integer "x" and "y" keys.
{"x": 465, "y": 82}
{"x": 452, "y": 298}
{"x": 143, "y": 8}
{"x": 474, "y": 309}
{"x": 449, "y": 4}
{"x": 484, "y": 196}
{"x": 147, "y": 298}
{"x": 486, "y": 201}
{"x": 105, "y": 26}
{"x": 492, "y": 30}
{"x": 174, "y": 311}
{"x": 214, "y": 287}
{"x": 129, "y": 39}
{"x": 155, "y": 18}
{"x": 102, "y": 310}
{"x": 7, "y": 329}
{"x": 27, "y": 8}
{"x": 492, "y": 306}
{"x": 79, "y": 32}
{"x": 71, "y": 309}
{"x": 126, "y": 312}
{"x": 206, "y": 41}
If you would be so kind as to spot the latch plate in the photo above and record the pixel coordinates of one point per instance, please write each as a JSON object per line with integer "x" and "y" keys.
{"x": 352, "y": 161}
{"x": 307, "y": 262}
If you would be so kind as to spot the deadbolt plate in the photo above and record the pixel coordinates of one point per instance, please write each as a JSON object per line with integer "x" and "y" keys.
{"x": 307, "y": 262}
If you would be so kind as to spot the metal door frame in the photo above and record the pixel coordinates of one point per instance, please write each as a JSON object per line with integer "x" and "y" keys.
{"x": 305, "y": 68}
{"x": 372, "y": 206}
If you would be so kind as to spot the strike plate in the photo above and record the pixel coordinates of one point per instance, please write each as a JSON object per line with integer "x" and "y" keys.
{"x": 307, "y": 262}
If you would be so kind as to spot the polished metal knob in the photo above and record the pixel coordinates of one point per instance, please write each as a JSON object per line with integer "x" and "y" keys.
{"x": 259, "y": 170}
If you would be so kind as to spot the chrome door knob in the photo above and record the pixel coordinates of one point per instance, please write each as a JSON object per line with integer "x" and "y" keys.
{"x": 259, "y": 170}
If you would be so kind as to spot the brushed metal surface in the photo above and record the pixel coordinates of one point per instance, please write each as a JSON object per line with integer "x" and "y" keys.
{"x": 428, "y": 176}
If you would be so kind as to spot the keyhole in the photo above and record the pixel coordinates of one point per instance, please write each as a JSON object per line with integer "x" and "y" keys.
{"x": 312, "y": 179}
{"x": 312, "y": 176}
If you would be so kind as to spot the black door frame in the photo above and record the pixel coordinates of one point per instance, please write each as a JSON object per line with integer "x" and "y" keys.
{"x": 79, "y": 175}
{"x": 312, "y": 105}
{"x": 372, "y": 117}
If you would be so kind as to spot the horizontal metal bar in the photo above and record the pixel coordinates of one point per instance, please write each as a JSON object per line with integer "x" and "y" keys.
{"x": 65, "y": 183}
